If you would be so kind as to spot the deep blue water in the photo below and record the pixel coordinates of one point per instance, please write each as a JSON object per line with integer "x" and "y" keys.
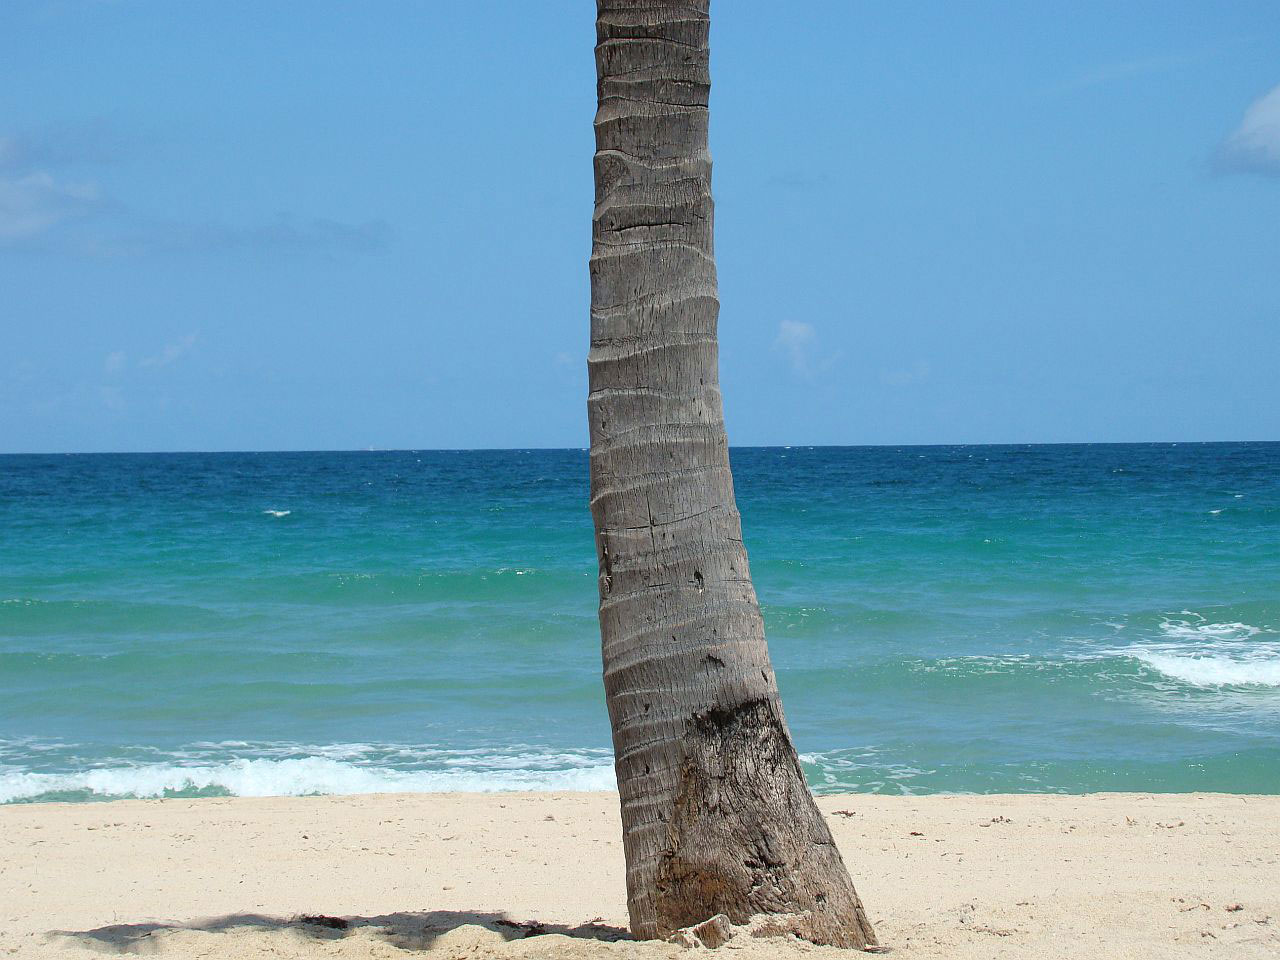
{"x": 980, "y": 618}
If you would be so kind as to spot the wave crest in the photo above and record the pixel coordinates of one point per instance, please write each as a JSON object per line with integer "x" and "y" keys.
{"x": 303, "y": 776}
{"x": 1257, "y": 668}
{"x": 1202, "y": 653}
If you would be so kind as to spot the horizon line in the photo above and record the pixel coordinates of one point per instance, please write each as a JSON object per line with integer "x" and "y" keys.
{"x": 536, "y": 449}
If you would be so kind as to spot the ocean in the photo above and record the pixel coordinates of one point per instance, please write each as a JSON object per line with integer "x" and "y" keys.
{"x": 1065, "y": 618}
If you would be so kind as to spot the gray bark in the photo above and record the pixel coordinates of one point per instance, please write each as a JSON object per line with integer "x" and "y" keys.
{"x": 717, "y": 817}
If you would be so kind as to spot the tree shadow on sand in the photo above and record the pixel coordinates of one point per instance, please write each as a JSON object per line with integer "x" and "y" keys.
{"x": 408, "y": 931}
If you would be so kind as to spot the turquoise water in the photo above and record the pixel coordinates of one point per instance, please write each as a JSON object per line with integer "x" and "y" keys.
{"x": 1042, "y": 618}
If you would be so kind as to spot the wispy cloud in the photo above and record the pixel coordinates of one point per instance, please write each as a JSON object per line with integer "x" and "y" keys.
{"x": 917, "y": 372}
{"x": 44, "y": 187}
{"x": 795, "y": 339}
{"x": 121, "y": 382}
{"x": 285, "y": 234}
{"x": 170, "y": 352}
{"x": 112, "y": 398}
{"x": 1254, "y": 146}
{"x": 32, "y": 203}
{"x": 87, "y": 143}
{"x": 10, "y": 153}
{"x": 797, "y": 180}
{"x": 1121, "y": 70}
{"x": 33, "y": 197}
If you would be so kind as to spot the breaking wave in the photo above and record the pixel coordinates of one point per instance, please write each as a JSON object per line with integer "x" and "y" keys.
{"x": 1202, "y": 653}
{"x": 469, "y": 771}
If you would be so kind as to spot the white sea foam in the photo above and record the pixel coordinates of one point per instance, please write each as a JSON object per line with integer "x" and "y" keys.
{"x": 277, "y": 513}
{"x": 1259, "y": 669}
{"x": 1192, "y": 626}
{"x": 1202, "y": 653}
{"x": 294, "y": 777}
{"x": 278, "y": 769}
{"x": 861, "y": 770}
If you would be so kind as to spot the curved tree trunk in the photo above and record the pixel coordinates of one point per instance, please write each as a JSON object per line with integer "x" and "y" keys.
{"x": 717, "y": 817}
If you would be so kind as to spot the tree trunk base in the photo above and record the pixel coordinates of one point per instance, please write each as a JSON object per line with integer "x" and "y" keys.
{"x": 745, "y": 838}
{"x": 719, "y": 930}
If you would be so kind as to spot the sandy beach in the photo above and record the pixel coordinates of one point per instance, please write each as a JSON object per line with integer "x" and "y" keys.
{"x": 540, "y": 875}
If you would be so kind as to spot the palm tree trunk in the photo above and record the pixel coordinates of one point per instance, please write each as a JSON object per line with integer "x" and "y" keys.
{"x": 717, "y": 817}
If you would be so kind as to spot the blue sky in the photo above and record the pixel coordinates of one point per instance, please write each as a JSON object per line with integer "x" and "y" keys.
{"x": 302, "y": 224}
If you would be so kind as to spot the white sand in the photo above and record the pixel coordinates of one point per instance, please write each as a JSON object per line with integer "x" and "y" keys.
{"x": 1115, "y": 875}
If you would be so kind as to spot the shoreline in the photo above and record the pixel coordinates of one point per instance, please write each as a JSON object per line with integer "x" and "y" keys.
{"x": 453, "y": 874}
{"x": 823, "y": 799}
{"x": 569, "y": 793}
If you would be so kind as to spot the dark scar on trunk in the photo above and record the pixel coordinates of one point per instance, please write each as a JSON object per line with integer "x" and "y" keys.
{"x": 743, "y": 838}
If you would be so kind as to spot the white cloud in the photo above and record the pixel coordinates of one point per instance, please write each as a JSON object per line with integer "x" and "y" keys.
{"x": 51, "y": 147}
{"x": 1137, "y": 67}
{"x": 115, "y": 361}
{"x": 285, "y": 234}
{"x": 33, "y": 202}
{"x": 112, "y": 398}
{"x": 36, "y": 196}
{"x": 1254, "y": 146}
{"x": 795, "y": 339}
{"x": 171, "y": 352}
{"x": 917, "y": 372}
